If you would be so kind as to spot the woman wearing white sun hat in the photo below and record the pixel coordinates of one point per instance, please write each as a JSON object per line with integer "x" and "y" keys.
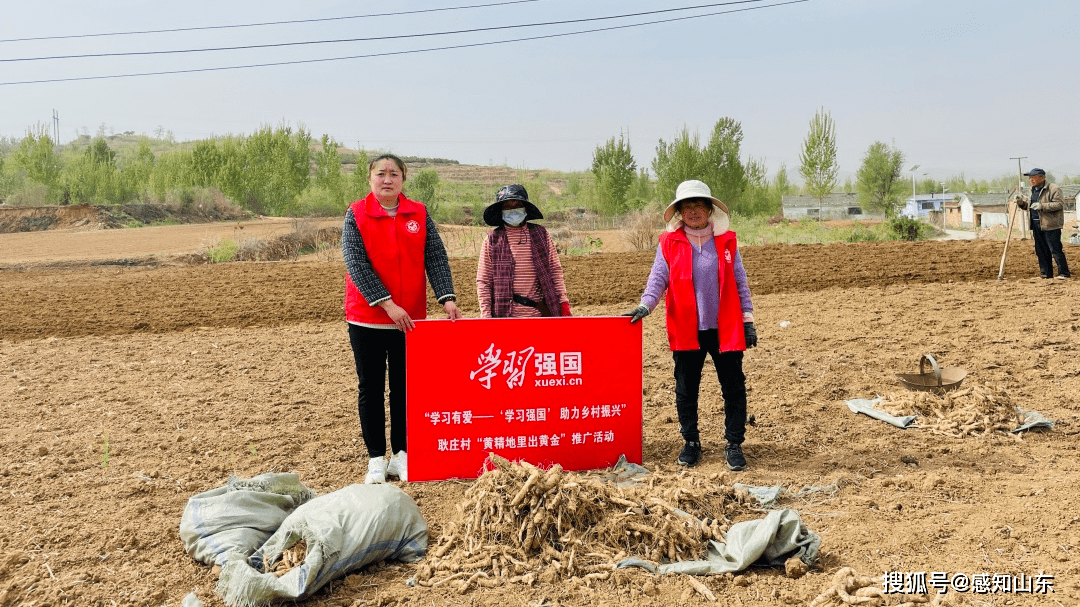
{"x": 708, "y": 312}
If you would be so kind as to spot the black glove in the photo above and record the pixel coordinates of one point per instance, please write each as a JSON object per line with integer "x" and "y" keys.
{"x": 641, "y": 311}
{"x": 751, "y": 334}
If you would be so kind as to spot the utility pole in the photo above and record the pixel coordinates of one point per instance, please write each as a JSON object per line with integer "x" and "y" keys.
{"x": 56, "y": 127}
{"x": 1019, "y": 187}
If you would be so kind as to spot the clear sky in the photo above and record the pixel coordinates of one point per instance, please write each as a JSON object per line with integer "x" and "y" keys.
{"x": 957, "y": 85}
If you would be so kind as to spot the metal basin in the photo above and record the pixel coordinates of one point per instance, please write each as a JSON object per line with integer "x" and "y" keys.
{"x": 938, "y": 380}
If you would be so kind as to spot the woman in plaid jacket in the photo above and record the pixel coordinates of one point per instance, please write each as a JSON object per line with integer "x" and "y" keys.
{"x": 389, "y": 243}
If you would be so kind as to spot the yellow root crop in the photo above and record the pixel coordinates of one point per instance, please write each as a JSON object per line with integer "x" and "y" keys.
{"x": 519, "y": 522}
{"x": 972, "y": 411}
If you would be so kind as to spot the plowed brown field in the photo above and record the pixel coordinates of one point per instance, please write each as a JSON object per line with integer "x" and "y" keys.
{"x": 191, "y": 373}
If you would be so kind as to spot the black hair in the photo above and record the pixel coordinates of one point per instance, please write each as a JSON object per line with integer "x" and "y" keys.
{"x": 399, "y": 162}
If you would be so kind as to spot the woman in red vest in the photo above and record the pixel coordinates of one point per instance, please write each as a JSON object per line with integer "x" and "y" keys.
{"x": 389, "y": 243}
{"x": 518, "y": 274}
{"x": 708, "y": 312}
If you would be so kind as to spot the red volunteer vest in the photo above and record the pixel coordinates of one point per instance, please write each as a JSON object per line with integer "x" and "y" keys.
{"x": 681, "y": 304}
{"x": 395, "y": 246}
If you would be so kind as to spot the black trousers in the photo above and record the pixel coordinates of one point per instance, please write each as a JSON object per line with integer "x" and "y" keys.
{"x": 688, "y": 366}
{"x": 372, "y": 348}
{"x": 1048, "y": 250}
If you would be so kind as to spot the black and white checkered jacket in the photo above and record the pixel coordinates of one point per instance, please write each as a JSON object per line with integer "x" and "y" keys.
{"x": 358, "y": 264}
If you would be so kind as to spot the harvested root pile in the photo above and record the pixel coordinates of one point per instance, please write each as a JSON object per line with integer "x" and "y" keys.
{"x": 850, "y": 588}
{"x": 290, "y": 557}
{"x": 521, "y": 524}
{"x": 970, "y": 411}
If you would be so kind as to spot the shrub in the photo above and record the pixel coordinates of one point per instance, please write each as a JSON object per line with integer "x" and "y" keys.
{"x": 180, "y": 199}
{"x": 907, "y": 228}
{"x": 31, "y": 195}
{"x": 643, "y": 229}
{"x": 320, "y": 201}
{"x": 224, "y": 250}
{"x": 463, "y": 241}
{"x": 573, "y": 184}
{"x": 422, "y": 187}
{"x": 861, "y": 236}
{"x": 305, "y": 238}
{"x": 208, "y": 202}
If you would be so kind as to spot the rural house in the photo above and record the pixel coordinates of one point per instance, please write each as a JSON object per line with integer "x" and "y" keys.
{"x": 1068, "y": 193}
{"x": 927, "y": 207}
{"x": 834, "y": 206}
{"x": 951, "y": 211}
{"x": 988, "y": 210}
{"x": 981, "y": 211}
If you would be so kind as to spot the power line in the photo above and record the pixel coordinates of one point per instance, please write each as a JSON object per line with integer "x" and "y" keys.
{"x": 296, "y": 21}
{"x": 405, "y": 52}
{"x": 378, "y": 38}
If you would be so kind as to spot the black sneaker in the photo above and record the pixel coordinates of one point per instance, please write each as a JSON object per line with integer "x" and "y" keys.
{"x": 691, "y": 453}
{"x": 734, "y": 456}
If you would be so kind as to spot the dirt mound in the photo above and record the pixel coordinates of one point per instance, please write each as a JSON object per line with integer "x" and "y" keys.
{"x": 37, "y": 219}
{"x": 96, "y": 217}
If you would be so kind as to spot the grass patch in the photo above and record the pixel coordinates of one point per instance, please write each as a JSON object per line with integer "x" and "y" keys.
{"x": 167, "y": 222}
{"x": 222, "y": 251}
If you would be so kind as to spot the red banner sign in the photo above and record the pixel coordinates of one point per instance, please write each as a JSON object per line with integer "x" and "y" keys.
{"x": 545, "y": 390}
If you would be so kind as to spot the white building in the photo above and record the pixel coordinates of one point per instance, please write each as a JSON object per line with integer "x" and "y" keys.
{"x": 836, "y": 206}
{"x": 925, "y": 206}
{"x": 984, "y": 210}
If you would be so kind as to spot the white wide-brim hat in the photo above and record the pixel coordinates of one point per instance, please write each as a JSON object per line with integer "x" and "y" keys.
{"x": 693, "y": 188}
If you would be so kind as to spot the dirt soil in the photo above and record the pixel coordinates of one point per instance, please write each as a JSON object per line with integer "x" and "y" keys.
{"x": 94, "y": 234}
{"x": 128, "y": 388}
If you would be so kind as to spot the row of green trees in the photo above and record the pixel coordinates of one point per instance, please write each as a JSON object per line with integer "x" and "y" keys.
{"x": 744, "y": 185}
{"x": 880, "y": 182}
{"x": 876, "y": 180}
{"x": 284, "y": 171}
{"x": 276, "y": 171}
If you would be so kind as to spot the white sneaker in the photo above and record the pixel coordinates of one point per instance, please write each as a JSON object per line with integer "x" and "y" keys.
{"x": 376, "y": 470}
{"x": 399, "y": 466}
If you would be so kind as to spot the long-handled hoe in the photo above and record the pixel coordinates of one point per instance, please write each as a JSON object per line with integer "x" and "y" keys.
{"x": 1008, "y": 237}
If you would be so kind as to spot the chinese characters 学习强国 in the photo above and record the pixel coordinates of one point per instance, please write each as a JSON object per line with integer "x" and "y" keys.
{"x": 514, "y": 364}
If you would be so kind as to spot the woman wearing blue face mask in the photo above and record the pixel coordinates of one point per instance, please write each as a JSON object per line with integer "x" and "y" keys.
{"x": 518, "y": 274}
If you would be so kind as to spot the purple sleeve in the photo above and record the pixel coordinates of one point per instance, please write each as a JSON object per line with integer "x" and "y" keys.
{"x": 744, "y": 286}
{"x": 658, "y": 281}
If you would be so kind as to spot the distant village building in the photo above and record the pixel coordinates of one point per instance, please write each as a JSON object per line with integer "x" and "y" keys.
{"x": 946, "y": 210}
{"x": 928, "y": 207}
{"x": 983, "y": 210}
{"x": 989, "y": 210}
{"x": 833, "y": 207}
{"x": 1069, "y": 192}
{"x": 951, "y": 210}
